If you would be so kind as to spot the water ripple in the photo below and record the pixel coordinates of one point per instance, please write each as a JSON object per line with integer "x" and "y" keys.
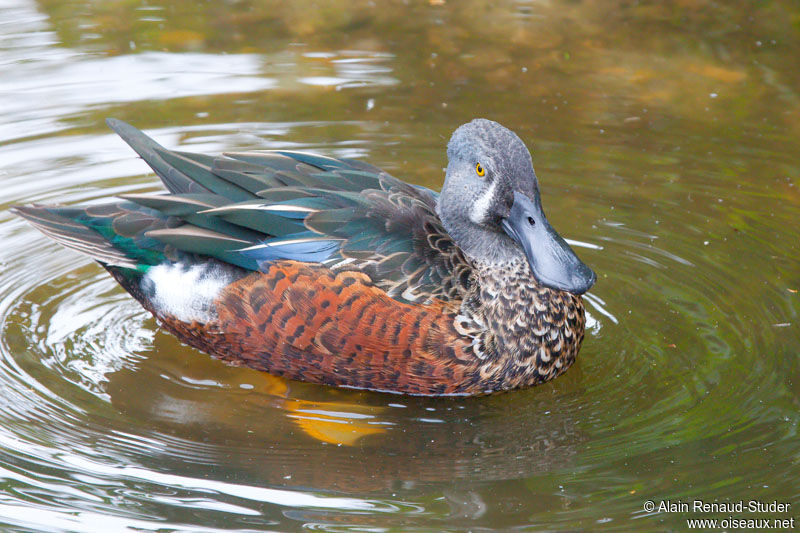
{"x": 686, "y": 386}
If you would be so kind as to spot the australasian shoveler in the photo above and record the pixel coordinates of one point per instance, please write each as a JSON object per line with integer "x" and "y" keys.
{"x": 332, "y": 271}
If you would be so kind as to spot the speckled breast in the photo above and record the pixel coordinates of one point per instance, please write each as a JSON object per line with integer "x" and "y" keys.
{"x": 531, "y": 334}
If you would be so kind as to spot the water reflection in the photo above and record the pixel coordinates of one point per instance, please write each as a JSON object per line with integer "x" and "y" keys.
{"x": 296, "y": 435}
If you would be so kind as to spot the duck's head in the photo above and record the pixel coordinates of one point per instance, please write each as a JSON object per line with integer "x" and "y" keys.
{"x": 490, "y": 205}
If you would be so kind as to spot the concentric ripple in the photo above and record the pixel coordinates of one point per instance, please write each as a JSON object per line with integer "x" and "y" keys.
{"x": 106, "y": 416}
{"x": 687, "y": 383}
{"x": 107, "y": 420}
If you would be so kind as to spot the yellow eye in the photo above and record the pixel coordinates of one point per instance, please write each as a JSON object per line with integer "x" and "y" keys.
{"x": 480, "y": 170}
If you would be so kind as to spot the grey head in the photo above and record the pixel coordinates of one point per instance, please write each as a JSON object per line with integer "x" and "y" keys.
{"x": 491, "y": 207}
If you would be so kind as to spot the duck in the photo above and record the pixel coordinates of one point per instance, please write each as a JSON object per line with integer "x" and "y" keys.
{"x": 332, "y": 271}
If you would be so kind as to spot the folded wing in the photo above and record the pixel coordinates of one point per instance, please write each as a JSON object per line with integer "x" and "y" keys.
{"x": 251, "y": 209}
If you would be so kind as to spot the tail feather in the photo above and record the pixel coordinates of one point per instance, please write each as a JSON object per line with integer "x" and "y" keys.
{"x": 117, "y": 237}
{"x": 74, "y": 235}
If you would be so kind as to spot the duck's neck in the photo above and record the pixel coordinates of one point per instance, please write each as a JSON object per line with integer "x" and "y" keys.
{"x": 490, "y": 246}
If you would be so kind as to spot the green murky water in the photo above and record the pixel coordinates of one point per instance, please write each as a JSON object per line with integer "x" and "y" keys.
{"x": 666, "y": 143}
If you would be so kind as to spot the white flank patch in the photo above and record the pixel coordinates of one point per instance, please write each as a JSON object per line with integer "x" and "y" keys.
{"x": 187, "y": 293}
{"x": 481, "y": 207}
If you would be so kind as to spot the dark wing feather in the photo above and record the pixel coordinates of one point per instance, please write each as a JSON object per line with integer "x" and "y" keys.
{"x": 389, "y": 230}
{"x": 405, "y": 249}
{"x": 175, "y": 180}
{"x": 197, "y": 240}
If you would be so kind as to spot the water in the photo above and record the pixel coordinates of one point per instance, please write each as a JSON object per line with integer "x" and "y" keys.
{"x": 666, "y": 142}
